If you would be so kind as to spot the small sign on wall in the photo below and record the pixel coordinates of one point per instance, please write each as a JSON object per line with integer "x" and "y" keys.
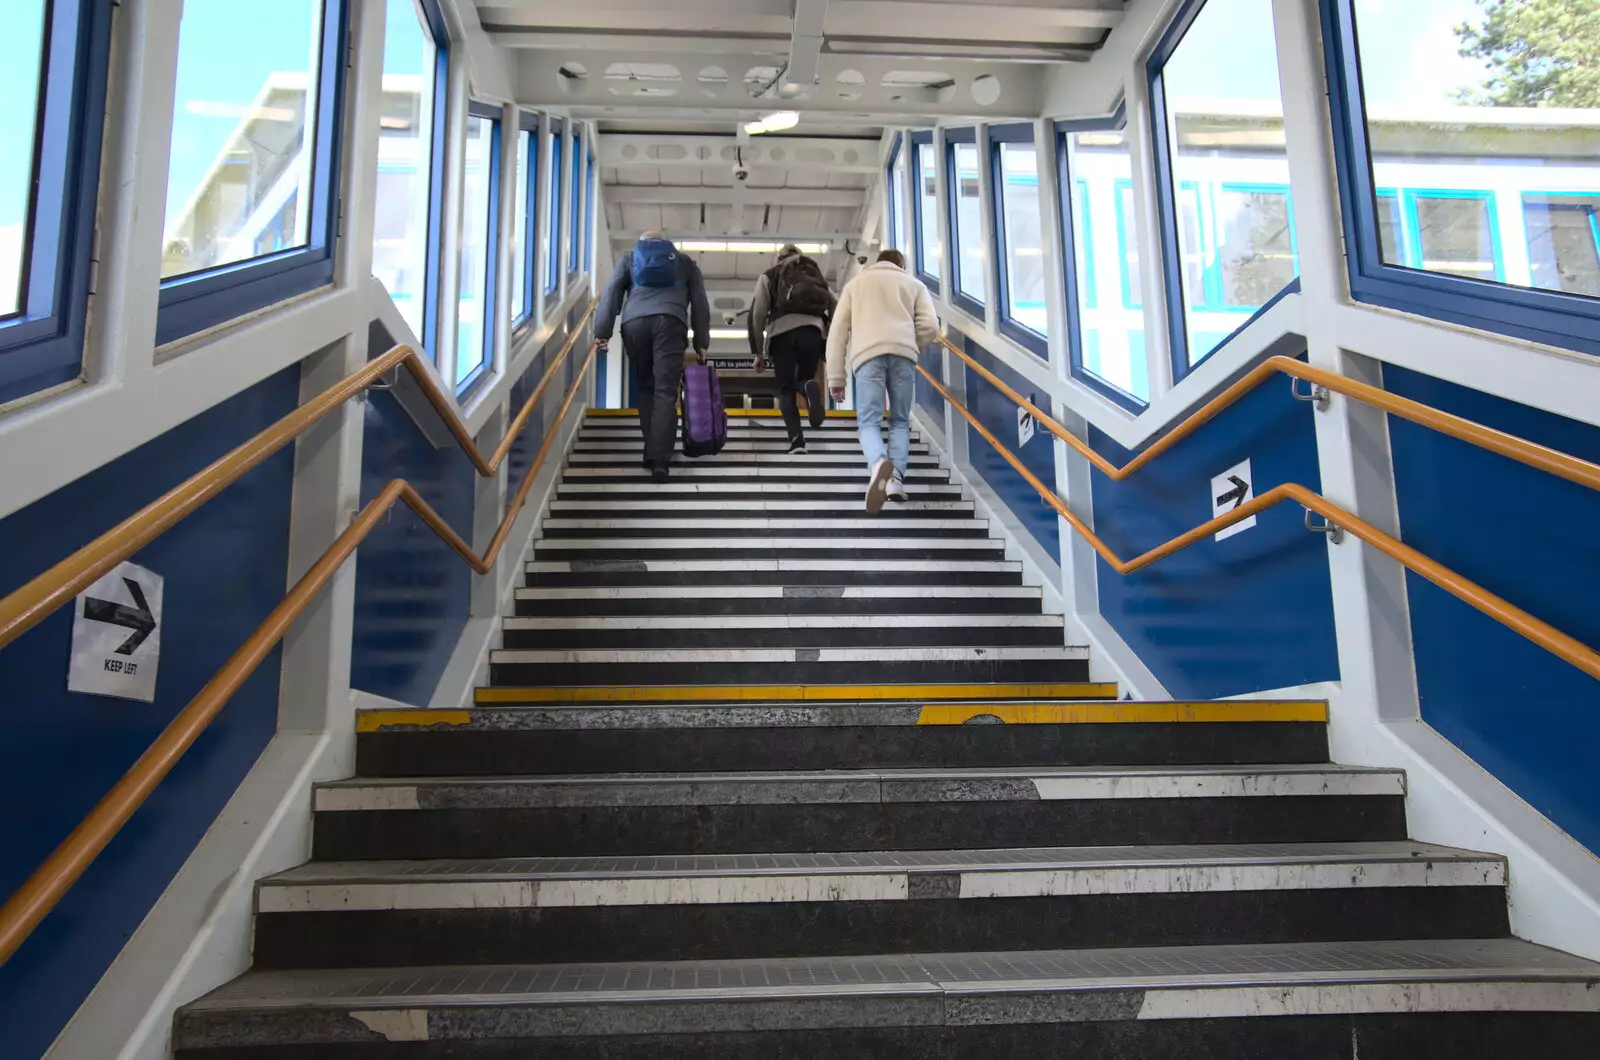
{"x": 1025, "y": 427}
{"x": 116, "y": 635}
{"x": 1229, "y": 490}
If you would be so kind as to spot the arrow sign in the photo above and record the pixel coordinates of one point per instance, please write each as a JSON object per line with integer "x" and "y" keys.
{"x": 1229, "y": 491}
{"x": 1241, "y": 490}
{"x": 137, "y": 618}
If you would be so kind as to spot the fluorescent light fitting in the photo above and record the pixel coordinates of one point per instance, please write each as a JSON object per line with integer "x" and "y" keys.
{"x": 728, "y": 333}
{"x": 777, "y": 121}
{"x": 717, "y": 246}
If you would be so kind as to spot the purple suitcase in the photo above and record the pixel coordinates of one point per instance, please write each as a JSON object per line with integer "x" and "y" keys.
{"x": 705, "y": 421}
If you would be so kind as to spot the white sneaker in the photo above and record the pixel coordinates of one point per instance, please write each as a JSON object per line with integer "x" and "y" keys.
{"x": 878, "y": 486}
{"x": 897, "y": 489}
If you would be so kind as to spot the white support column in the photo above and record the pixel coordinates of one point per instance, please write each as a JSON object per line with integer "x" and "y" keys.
{"x": 541, "y": 208}
{"x": 569, "y": 144}
{"x": 1147, "y": 232}
{"x": 1051, "y": 223}
{"x": 986, "y": 217}
{"x": 1371, "y": 614}
{"x": 455, "y": 143}
{"x": 505, "y": 245}
{"x": 947, "y": 265}
{"x": 488, "y": 504}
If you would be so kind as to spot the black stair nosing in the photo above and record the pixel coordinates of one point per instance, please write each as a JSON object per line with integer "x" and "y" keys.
{"x": 731, "y": 605}
{"x": 685, "y": 527}
{"x": 886, "y": 636}
{"x": 602, "y": 578}
{"x": 981, "y": 550}
{"x": 757, "y": 930}
{"x": 556, "y": 752}
{"x": 559, "y": 674}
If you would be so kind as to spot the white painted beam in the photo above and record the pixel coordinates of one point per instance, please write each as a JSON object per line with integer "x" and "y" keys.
{"x": 636, "y": 195}
{"x": 805, "y": 47}
{"x": 836, "y": 155}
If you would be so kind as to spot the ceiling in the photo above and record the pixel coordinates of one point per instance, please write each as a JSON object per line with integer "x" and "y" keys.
{"x": 669, "y": 83}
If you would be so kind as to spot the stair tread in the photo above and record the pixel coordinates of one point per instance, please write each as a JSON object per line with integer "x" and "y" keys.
{"x": 778, "y": 621}
{"x": 712, "y": 590}
{"x": 1033, "y": 972}
{"x": 886, "y": 654}
{"x": 1077, "y": 859}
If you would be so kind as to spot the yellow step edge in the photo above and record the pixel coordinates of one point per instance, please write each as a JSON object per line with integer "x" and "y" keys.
{"x": 1124, "y": 712}
{"x": 833, "y": 414}
{"x": 793, "y": 693}
{"x": 374, "y": 720}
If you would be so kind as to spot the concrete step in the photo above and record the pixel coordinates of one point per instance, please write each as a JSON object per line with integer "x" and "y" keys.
{"x": 661, "y": 632}
{"x": 768, "y": 600}
{"x": 1485, "y": 998}
{"x": 755, "y": 906}
{"x": 776, "y": 569}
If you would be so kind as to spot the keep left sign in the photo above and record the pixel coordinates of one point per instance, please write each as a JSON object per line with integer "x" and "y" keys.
{"x": 116, "y": 635}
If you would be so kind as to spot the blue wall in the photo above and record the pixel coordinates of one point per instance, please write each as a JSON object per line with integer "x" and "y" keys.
{"x": 1249, "y": 613}
{"x": 225, "y": 568}
{"x": 532, "y": 436}
{"x": 412, "y": 590}
{"x": 999, "y": 413}
{"x": 1521, "y": 713}
{"x": 932, "y": 359}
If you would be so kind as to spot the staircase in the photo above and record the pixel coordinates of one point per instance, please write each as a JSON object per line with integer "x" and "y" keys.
{"x": 758, "y": 776}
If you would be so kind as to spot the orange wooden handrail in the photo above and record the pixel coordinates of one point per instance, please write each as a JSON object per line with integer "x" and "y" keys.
{"x": 1564, "y": 646}
{"x": 1521, "y": 450}
{"x": 28, "y": 605}
{"x": 41, "y": 892}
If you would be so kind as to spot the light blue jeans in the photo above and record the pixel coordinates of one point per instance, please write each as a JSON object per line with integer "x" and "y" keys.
{"x": 897, "y": 377}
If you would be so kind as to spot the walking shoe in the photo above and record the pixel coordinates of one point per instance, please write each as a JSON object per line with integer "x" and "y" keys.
{"x": 797, "y": 446}
{"x": 816, "y": 403}
{"x": 878, "y": 487}
{"x": 659, "y": 473}
{"x": 897, "y": 488}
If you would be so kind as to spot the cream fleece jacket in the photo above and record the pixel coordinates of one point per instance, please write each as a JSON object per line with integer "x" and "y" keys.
{"x": 884, "y": 311}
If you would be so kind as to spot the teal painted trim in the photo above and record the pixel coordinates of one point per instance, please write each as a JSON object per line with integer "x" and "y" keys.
{"x": 1080, "y": 205}
{"x": 1413, "y": 195}
{"x": 1128, "y": 302}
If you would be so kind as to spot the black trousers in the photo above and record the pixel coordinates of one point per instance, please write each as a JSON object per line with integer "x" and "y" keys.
{"x": 655, "y": 346}
{"x": 795, "y": 355}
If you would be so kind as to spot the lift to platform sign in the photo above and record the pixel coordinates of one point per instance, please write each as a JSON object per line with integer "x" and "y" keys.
{"x": 1229, "y": 490}
{"x": 116, "y": 635}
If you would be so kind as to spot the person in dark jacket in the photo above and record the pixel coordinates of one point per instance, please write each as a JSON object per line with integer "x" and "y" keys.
{"x": 793, "y": 340}
{"x": 661, "y": 298}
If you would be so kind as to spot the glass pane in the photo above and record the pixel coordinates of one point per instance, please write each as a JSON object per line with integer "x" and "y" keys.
{"x": 1504, "y": 126}
{"x": 1564, "y": 242}
{"x": 1257, "y": 248}
{"x": 1456, "y": 235}
{"x": 1390, "y": 228}
{"x": 928, "y": 249}
{"x": 577, "y": 207}
{"x": 969, "y": 222}
{"x": 591, "y": 191}
{"x": 243, "y": 136}
{"x": 1024, "y": 236}
{"x": 405, "y": 155}
{"x": 1110, "y": 328}
{"x": 551, "y": 244}
{"x": 1225, "y": 139}
{"x": 21, "y": 73}
{"x": 519, "y": 230}
{"x": 897, "y": 206}
{"x": 472, "y": 337}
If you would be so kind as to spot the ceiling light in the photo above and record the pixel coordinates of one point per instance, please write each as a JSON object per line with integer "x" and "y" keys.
{"x": 728, "y": 333}
{"x": 717, "y": 246}
{"x": 777, "y": 121}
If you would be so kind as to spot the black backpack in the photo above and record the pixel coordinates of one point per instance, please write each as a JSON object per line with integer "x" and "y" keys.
{"x": 796, "y": 285}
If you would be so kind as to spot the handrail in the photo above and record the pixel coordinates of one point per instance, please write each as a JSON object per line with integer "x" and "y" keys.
{"x": 1562, "y": 645}
{"x": 28, "y": 605}
{"x": 40, "y": 893}
{"x": 1521, "y": 450}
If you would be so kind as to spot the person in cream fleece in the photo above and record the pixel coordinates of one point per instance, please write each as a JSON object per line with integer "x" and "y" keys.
{"x": 884, "y": 316}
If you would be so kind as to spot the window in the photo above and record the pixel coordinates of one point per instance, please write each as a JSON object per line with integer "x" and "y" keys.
{"x": 966, "y": 220}
{"x": 522, "y": 229}
{"x": 1563, "y": 242}
{"x": 574, "y": 236}
{"x": 1020, "y": 235}
{"x": 53, "y": 61}
{"x": 1106, "y": 335}
{"x": 406, "y": 229}
{"x": 591, "y": 191}
{"x": 1469, "y": 192}
{"x": 1222, "y": 172}
{"x": 552, "y": 231}
{"x": 925, "y": 204}
{"x": 480, "y": 196}
{"x": 894, "y": 231}
{"x": 250, "y": 175}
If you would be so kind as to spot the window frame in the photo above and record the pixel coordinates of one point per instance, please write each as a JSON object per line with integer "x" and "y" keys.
{"x": 920, "y": 139}
{"x": 954, "y": 138}
{"x": 1068, "y": 186}
{"x": 42, "y": 345}
{"x": 1554, "y": 318}
{"x": 893, "y": 229}
{"x": 1169, "y": 211}
{"x": 575, "y": 221}
{"x": 203, "y": 300}
{"x": 553, "y": 274}
{"x": 1010, "y": 327}
{"x": 491, "y": 273}
{"x": 591, "y": 191}
{"x": 528, "y": 244}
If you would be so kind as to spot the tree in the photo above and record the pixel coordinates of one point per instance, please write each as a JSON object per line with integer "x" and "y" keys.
{"x": 1541, "y": 53}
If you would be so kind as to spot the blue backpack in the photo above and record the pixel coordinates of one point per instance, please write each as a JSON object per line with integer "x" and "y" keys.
{"x": 655, "y": 263}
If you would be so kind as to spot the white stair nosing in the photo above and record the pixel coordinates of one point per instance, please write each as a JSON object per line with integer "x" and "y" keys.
{"x": 687, "y": 470}
{"x": 624, "y": 544}
{"x": 777, "y": 592}
{"x": 700, "y": 522}
{"x": 906, "y": 621}
{"x": 778, "y": 489}
{"x": 681, "y": 566}
{"x": 703, "y": 656}
{"x": 816, "y": 509}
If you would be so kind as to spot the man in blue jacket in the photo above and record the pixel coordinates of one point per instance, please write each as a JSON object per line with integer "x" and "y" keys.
{"x": 661, "y": 296}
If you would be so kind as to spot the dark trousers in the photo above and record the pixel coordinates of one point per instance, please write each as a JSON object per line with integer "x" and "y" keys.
{"x": 795, "y": 355}
{"x": 655, "y": 346}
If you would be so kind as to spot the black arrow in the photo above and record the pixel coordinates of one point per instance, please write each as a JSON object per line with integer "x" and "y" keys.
{"x": 1236, "y": 495}
{"x": 137, "y": 618}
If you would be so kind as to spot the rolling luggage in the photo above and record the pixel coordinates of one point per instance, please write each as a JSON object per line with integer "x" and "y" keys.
{"x": 705, "y": 421}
